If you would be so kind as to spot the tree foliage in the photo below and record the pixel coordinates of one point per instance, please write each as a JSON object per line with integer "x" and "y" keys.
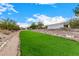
{"x": 39, "y": 25}
{"x": 33, "y": 26}
{"x": 8, "y": 24}
{"x": 74, "y": 23}
{"x": 76, "y": 10}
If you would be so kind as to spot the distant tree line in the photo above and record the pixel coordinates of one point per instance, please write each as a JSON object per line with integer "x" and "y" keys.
{"x": 38, "y": 25}
{"x": 8, "y": 24}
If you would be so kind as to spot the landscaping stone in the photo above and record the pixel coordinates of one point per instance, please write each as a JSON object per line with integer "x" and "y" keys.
{"x": 69, "y": 34}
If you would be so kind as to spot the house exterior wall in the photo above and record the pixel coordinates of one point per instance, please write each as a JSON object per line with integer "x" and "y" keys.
{"x": 55, "y": 26}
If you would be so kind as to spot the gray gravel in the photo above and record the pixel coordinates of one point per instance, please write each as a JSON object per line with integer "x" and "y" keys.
{"x": 69, "y": 34}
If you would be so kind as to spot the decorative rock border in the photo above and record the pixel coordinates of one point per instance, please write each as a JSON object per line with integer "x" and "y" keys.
{"x": 58, "y": 34}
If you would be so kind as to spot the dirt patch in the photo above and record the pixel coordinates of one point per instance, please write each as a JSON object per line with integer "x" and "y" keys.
{"x": 11, "y": 48}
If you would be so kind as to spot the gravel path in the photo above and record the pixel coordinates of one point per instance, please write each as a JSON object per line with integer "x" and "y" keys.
{"x": 11, "y": 48}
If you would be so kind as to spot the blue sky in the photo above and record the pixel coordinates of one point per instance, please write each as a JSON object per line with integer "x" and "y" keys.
{"x": 28, "y": 12}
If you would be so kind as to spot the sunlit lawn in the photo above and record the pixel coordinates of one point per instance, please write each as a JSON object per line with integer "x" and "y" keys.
{"x": 38, "y": 44}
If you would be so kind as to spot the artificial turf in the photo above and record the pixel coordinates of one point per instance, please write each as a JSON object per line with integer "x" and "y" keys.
{"x": 39, "y": 44}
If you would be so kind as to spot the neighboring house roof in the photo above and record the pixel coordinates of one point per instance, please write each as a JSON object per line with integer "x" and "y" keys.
{"x": 57, "y": 23}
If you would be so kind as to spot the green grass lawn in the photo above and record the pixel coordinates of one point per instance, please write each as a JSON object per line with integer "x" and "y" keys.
{"x": 38, "y": 44}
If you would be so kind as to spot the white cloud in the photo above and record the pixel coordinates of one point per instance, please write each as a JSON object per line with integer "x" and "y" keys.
{"x": 23, "y": 25}
{"x": 50, "y": 4}
{"x": 7, "y": 4}
{"x": 48, "y": 20}
{"x": 7, "y": 7}
{"x": 42, "y": 18}
{"x": 9, "y": 13}
{"x": 0, "y": 13}
{"x": 31, "y": 20}
{"x": 2, "y": 9}
{"x": 13, "y": 10}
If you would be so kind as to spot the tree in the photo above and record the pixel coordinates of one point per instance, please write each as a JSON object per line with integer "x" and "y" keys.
{"x": 40, "y": 25}
{"x": 33, "y": 26}
{"x": 74, "y": 23}
{"x": 76, "y": 10}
